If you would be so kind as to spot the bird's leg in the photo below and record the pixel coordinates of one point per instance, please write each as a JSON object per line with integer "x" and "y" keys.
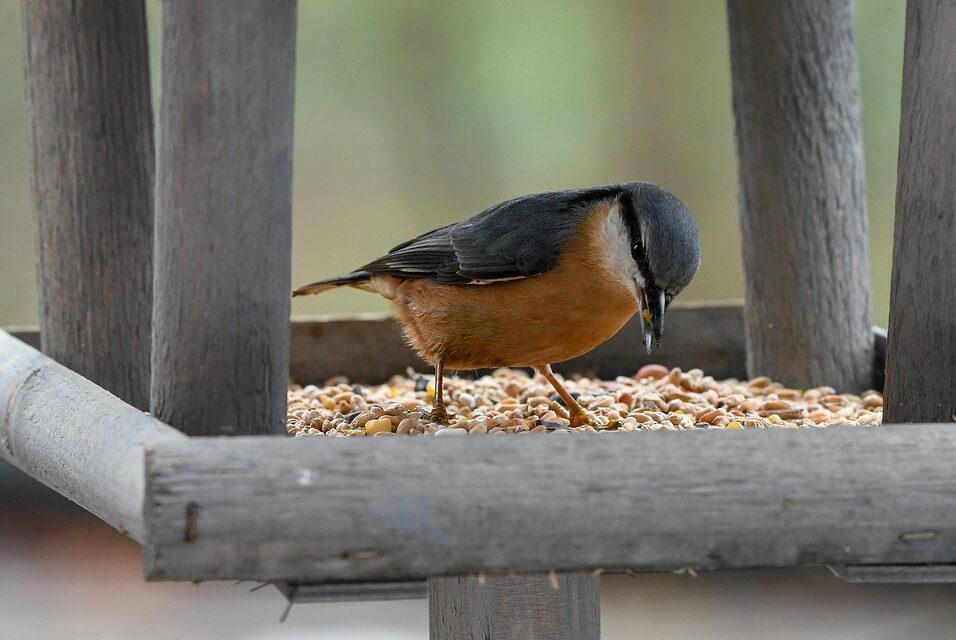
{"x": 439, "y": 413}
{"x": 579, "y": 417}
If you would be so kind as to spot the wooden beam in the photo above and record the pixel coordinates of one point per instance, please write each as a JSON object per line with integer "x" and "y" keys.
{"x": 74, "y": 437}
{"x": 802, "y": 204}
{"x": 402, "y": 509}
{"x": 369, "y": 347}
{"x": 353, "y": 591}
{"x": 223, "y": 216}
{"x": 559, "y": 606}
{"x": 921, "y": 376}
{"x": 91, "y": 158}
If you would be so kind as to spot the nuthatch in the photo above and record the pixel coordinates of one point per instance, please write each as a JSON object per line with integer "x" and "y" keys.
{"x": 538, "y": 279}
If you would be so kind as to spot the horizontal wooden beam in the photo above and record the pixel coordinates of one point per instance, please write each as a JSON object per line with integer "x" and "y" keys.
{"x": 369, "y": 347}
{"x": 74, "y": 437}
{"x": 339, "y": 510}
{"x": 353, "y": 591}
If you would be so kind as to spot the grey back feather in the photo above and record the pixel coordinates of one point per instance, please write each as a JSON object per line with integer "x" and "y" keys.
{"x": 519, "y": 238}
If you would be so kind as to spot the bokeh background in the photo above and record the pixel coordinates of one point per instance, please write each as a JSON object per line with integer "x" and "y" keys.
{"x": 413, "y": 114}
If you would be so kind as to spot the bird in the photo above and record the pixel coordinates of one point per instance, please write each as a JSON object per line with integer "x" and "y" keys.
{"x": 535, "y": 280}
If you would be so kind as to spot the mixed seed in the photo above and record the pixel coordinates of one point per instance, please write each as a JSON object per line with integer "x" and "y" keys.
{"x": 511, "y": 401}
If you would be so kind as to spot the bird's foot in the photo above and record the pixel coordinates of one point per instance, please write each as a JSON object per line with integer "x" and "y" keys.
{"x": 439, "y": 414}
{"x": 581, "y": 418}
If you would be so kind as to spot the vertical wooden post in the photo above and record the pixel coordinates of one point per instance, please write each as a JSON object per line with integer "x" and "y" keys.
{"x": 802, "y": 208}
{"x": 564, "y": 606}
{"x": 91, "y": 157}
{"x": 223, "y": 216}
{"x": 921, "y": 345}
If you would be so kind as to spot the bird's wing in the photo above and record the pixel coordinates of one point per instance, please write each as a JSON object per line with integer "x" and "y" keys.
{"x": 520, "y": 238}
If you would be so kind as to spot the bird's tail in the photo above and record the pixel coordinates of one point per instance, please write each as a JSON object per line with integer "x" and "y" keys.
{"x": 355, "y": 279}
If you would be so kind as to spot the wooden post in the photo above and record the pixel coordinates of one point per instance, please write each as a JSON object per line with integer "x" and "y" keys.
{"x": 91, "y": 156}
{"x": 802, "y": 208}
{"x": 223, "y": 216}
{"x": 921, "y": 357}
{"x": 562, "y": 606}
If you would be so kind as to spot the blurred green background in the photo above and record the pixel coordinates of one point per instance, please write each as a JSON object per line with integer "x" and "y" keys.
{"x": 413, "y": 114}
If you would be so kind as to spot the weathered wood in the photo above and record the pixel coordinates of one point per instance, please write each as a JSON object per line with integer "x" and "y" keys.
{"x": 223, "y": 216}
{"x": 400, "y": 509}
{"x": 74, "y": 437}
{"x": 91, "y": 159}
{"x": 369, "y": 348}
{"x": 921, "y": 371}
{"x": 897, "y": 574}
{"x": 353, "y": 591}
{"x": 802, "y": 205}
{"x": 558, "y": 607}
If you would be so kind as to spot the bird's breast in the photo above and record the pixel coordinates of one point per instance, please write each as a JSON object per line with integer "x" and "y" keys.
{"x": 548, "y": 318}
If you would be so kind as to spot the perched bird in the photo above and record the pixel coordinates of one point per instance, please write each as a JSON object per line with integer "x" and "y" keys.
{"x": 538, "y": 279}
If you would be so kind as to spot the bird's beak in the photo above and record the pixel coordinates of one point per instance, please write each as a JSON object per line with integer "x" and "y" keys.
{"x": 652, "y": 304}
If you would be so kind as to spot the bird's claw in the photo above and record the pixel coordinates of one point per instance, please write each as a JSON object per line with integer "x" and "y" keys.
{"x": 581, "y": 418}
{"x": 439, "y": 414}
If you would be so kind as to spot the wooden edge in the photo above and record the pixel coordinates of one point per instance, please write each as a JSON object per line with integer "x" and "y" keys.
{"x": 417, "y": 589}
{"x": 369, "y": 348}
{"x": 896, "y": 574}
{"x": 353, "y": 591}
{"x": 76, "y": 438}
{"x": 408, "y": 509}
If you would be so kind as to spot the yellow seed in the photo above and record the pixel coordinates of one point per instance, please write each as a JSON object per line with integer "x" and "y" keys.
{"x": 430, "y": 389}
{"x": 735, "y": 425}
{"x": 327, "y": 402}
{"x": 376, "y": 426}
{"x": 392, "y": 392}
{"x": 647, "y": 315}
{"x": 774, "y": 418}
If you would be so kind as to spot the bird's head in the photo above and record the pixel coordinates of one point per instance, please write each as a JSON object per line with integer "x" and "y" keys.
{"x": 665, "y": 249}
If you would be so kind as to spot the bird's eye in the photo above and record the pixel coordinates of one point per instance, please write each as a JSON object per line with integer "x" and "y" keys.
{"x": 637, "y": 251}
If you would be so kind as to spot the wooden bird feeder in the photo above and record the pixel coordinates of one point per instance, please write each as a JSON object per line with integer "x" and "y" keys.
{"x": 179, "y": 304}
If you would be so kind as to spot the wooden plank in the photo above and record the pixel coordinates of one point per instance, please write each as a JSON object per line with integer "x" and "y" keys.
{"x": 91, "y": 159}
{"x": 74, "y": 437}
{"x": 802, "y": 204}
{"x": 897, "y": 574}
{"x": 921, "y": 376}
{"x": 353, "y": 591}
{"x": 223, "y": 216}
{"x": 370, "y": 349}
{"x": 561, "y": 606}
{"x": 401, "y": 509}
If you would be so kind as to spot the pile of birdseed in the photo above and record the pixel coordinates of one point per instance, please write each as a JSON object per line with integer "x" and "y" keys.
{"x": 511, "y": 401}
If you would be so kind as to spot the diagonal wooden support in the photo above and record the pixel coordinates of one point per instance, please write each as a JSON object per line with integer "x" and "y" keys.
{"x": 74, "y": 437}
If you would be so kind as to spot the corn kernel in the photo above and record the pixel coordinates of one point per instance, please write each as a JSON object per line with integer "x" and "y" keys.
{"x": 377, "y": 426}
{"x": 735, "y": 425}
{"x": 647, "y": 315}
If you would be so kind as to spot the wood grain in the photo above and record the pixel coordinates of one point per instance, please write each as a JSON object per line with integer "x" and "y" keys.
{"x": 802, "y": 204}
{"x": 921, "y": 371}
{"x": 401, "y": 509}
{"x": 91, "y": 163}
{"x": 75, "y": 437}
{"x": 223, "y": 216}
{"x": 369, "y": 348}
{"x": 564, "y": 606}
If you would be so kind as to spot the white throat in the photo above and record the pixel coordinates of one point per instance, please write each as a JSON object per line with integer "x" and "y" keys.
{"x": 616, "y": 242}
